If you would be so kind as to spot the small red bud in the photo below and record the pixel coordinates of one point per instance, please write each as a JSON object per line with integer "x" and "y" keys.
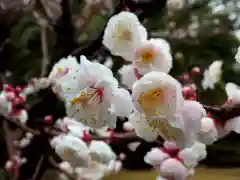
{"x": 209, "y": 114}
{"x": 195, "y": 71}
{"x": 184, "y": 77}
{"x": 18, "y": 89}
{"x": 21, "y": 99}
{"x": 187, "y": 91}
{"x": 7, "y": 87}
{"x": 228, "y": 101}
{"x": 193, "y": 98}
{"x": 48, "y": 119}
{"x": 16, "y": 101}
{"x": 11, "y": 95}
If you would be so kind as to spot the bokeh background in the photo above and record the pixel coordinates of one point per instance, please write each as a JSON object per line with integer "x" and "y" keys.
{"x": 34, "y": 34}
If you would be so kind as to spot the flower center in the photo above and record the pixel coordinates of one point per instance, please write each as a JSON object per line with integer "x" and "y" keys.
{"x": 68, "y": 151}
{"x": 151, "y": 100}
{"x": 147, "y": 57}
{"x": 63, "y": 70}
{"x": 123, "y": 32}
{"x": 126, "y": 35}
{"x": 94, "y": 164}
{"x": 89, "y": 96}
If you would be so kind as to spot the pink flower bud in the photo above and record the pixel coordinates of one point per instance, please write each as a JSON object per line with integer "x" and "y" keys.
{"x": 187, "y": 92}
{"x": 16, "y": 101}
{"x": 48, "y": 119}
{"x": 128, "y": 126}
{"x": 184, "y": 77}
{"x": 18, "y": 89}
{"x": 122, "y": 156}
{"x": 9, "y": 166}
{"x": 195, "y": 71}
{"x": 11, "y": 95}
{"x": 22, "y": 99}
{"x": 7, "y": 87}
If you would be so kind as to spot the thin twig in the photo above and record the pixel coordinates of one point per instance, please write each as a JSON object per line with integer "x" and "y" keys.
{"x": 10, "y": 148}
{"x": 38, "y": 168}
{"x": 22, "y": 127}
{"x": 8, "y": 140}
{"x": 45, "y": 56}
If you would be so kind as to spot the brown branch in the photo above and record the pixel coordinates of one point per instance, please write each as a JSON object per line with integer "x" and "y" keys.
{"x": 10, "y": 148}
{"x": 44, "y": 44}
{"x": 38, "y": 168}
{"x": 129, "y": 136}
{"x": 22, "y": 127}
{"x": 224, "y": 112}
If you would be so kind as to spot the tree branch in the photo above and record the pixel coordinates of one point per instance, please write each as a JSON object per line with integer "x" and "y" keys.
{"x": 44, "y": 44}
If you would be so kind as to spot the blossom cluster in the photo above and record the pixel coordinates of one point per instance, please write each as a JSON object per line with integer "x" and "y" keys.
{"x": 158, "y": 105}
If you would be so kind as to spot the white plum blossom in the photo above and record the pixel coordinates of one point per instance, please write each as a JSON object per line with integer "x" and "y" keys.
{"x": 158, "y": 96}
{"x": 177, "y": 165}
{"x": 158, "y": 99}
{"x": 155, "y": 157}
{"x": 72, "y": 127}
{"x": 123, "y": 34}
{"x": 72, "y": 149}
{"x": 103, "y": 161}
{"x": 153, "y": 55}
{"x": 5, "y": 104}
{"x": 127, "y": 75}
{"x": 133, "y": 146}
{"x": 101, "y": 152}
{"x": 237, "y": 56}
{"x": 191, "y": 156}
{"x": 173, "y": 169}
{"x": 141, "y": 127}
{"x": 161, "y": 110}
{"x": 233, "y": 125}
{"x": 212, "y": 75}
{"x": 99, "y": 101}
{"x": 96, "y": 172}
{"x": 66, "y": 166}
{"x": 208, "y": 133}
{"x": 233, "y": 92}
{"x": 192, "y": 113}
{"x": 66, "y": 71}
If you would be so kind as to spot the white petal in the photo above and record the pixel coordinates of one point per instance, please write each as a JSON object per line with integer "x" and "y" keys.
{"x": 101, "y": 152}
{"x": 155, "y": 157}
{"x": 233, "y": 125}
{"x": 127, "y": 75}
{"x": 133, "y": 146}
{"x": 231, "y": 88}
{"x": 122, "y": 104}
{"x": 173, "y": 169}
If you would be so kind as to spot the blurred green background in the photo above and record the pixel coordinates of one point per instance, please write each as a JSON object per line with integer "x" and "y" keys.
{"x": 199, "y": 33}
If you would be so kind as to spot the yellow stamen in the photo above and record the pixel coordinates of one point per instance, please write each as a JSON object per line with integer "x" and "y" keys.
{"x": 126, "y": 35}
{"x": 68, "y": 151}
{"x": 165, "y": 129}
{"x": 151, "y": 100}
{"x": 60, "y": 70}
{"x": 87, "y": 97}
{"x": 147, "y": 57}
{"x": 94, "y": 164}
